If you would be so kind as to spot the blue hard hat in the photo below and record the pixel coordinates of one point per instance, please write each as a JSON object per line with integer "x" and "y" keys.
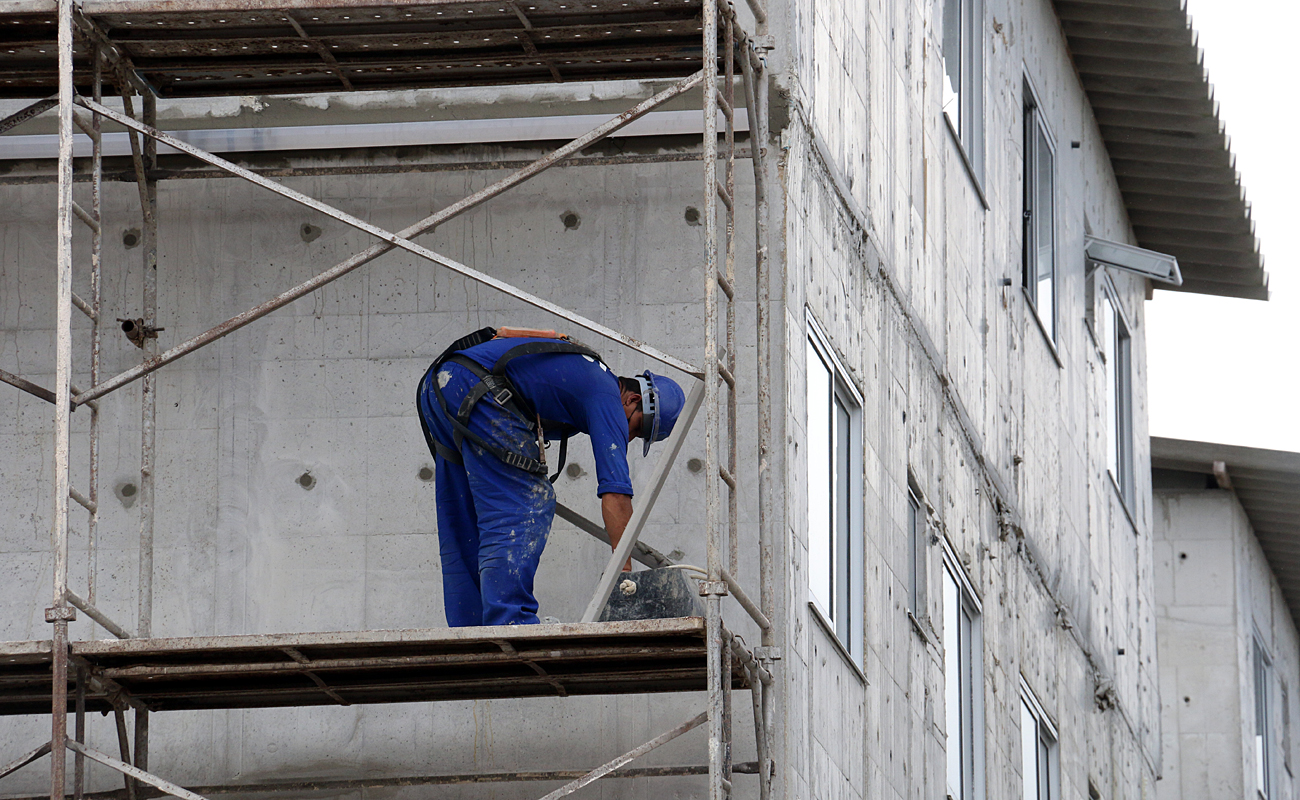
{"x": 662, "y": 401}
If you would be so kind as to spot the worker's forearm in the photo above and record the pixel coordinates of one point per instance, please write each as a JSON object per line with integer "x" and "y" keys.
{"x": 616, "y": 509}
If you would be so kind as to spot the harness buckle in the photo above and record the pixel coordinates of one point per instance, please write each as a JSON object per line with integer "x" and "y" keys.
{"x": 502, "y": 395}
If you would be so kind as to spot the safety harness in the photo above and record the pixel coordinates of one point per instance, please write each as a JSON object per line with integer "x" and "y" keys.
{"x": 503, "y": 392}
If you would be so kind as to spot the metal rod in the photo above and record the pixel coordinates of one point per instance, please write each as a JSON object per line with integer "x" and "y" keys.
{"x": 728, "y": 370}
{"x": 124, "y": 749}
{"x": 99, "y": 616}
{"x": 34, "y": 110}
{"x": 85, "y": 216}
{"x": 79, "y": 763}
{"x": 81, "y": 499}
{"x": 96, "y": 330}
{"x": 393, "y": 662}
{"x": 60, "y": 613}
{"x": 139, "y": 774}
{"x": 632, "y": 754}
{"x": 27, "y": 386}
{"x": 755, "y": 99}
{"x": 302, "y": 786}
{"x": 391, "y": 240}
{"x": 764, "y": 624}
{"x": 83, "y": 306}
{"x": 641, "y": 552}
{"x": 23, "y": 761}
{"x": 641, "y": 512}
{"x": 148, "y": 391}
{"x": 141, "y": 746}
{"x": 166, "y": 174}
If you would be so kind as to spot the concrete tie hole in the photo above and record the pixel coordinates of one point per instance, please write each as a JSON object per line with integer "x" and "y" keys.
{"x": 307, "y": 481}
{"x": 695, "y": 465}
{"x": 127, "y": 492}
{"x": 571, "y": 220}
{"x": 131, "y": 238}
{"x": 425, "y": 474}
{"x": 574, "y": 471}
{"x": 692, "y": 215}
{"x": 308, "y": 232}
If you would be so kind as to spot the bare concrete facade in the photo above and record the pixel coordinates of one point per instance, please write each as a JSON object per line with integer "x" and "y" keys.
{"x": 289, "y": 489}
{"x": 1217, "y": 597}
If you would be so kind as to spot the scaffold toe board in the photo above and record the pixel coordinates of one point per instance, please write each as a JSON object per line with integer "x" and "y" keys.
{"x": 187, "y": 48}
{"x": 347, "y": 668}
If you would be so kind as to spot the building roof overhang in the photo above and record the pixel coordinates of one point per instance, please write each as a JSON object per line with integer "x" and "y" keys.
{"x": 1266, "y": 483}
{"x": 1145, "y": 78}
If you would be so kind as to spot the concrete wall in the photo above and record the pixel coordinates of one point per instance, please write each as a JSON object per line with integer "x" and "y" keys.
{"x": 892, "y": 251}
{"x": 881, "y": 236}
{"x": 1215, "y": 594}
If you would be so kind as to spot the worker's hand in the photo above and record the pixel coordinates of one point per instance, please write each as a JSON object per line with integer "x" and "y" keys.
{"x": 616, "y": 509}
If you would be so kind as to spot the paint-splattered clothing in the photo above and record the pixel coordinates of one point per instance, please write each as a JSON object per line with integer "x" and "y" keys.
{"x": 493, "y": 519}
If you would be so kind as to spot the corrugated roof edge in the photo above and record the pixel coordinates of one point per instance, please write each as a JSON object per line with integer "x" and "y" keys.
{"x": 1140, "y": 64}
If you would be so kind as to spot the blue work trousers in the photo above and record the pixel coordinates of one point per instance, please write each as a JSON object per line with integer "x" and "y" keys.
{"x": 493, "y": 519}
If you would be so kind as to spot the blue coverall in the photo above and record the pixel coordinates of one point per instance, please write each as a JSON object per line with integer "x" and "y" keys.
{"x": 493, "y": 519}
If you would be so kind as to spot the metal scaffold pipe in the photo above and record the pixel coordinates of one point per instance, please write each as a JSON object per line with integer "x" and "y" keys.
{"x": 61, "y": 613}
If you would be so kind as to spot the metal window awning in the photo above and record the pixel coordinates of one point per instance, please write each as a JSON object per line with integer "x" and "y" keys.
{"x": 1145, "y": 78}
{"x": 358, "y": 667}
{"x": 189, "y": 48}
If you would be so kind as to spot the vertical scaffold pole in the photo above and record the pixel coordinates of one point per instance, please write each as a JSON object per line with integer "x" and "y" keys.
{"x": 60, "y": 614}
{"x": 756, "y": 103}
{"x": 728, "y": 106}
{"x": 96, "y": 322}
{"x": 149, "y": 238}
{"x": 148, "y": 403}
{"x": 712, "y": 465}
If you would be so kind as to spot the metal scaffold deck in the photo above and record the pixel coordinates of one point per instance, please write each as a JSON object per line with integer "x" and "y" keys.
{"x": 70, "y": 55}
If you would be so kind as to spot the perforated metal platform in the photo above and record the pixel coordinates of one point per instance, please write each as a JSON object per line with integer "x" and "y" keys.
{"x": 348, "y": 668}
{"x": 235, "y": 47}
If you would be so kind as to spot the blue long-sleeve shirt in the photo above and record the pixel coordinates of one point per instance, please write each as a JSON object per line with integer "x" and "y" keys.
{"x": 576, "y": 391}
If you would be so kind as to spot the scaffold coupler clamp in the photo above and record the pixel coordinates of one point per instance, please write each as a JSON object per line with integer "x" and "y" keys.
{"x": 767, "y": 653}
{"x": 61, "y": 614}
{"x": 712, "y": 588}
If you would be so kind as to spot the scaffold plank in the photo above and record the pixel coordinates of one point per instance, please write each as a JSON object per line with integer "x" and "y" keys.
{"x": 357, "y": 667}
{"x": 239, "y": 47}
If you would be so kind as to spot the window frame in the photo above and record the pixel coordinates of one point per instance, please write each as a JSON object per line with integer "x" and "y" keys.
{"x": 918, "y": 556}
{"x": 1035, "y": 133}
{"x": 1262, "y": 683}
{"x": 968, "y": 127}
{"x": 1117, "y": 355}
{"x": 845, "y": 590}
{"x": 969, "y": 662}
{"x": 1047, "y": 768}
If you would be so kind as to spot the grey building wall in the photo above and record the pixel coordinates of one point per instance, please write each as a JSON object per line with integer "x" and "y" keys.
{"x": 882, "y": 236}
{"x": 1215, "y": 594}
{"x": 890, "y": 247}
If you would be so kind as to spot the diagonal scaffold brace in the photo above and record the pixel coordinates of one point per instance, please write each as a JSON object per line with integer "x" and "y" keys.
{"x": 390, "y": 241}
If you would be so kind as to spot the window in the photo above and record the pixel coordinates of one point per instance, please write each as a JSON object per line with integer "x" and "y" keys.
{"x": 963, "y": 672}
{"x": 834, "y": 494}
{"x": 1263, "y": 722}
{"x": 1039, "y": 215}
{"x": 917, "y": 534}
{"x": 1117, "y": 350}
{"x": 963, "y": 69}
{"x": 1037, "y": 749}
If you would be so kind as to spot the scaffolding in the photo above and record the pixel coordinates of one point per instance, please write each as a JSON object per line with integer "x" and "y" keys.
{"x": 141, "y": 50}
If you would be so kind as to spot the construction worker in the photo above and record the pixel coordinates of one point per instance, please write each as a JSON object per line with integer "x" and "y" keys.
{"x": 485, "y": 406}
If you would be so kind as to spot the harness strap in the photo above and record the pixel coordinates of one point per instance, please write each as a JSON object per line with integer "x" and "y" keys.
{"x": 498, "y": 384}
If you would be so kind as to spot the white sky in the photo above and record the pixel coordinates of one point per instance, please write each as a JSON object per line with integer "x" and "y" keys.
{"x": 1221, "y": 369}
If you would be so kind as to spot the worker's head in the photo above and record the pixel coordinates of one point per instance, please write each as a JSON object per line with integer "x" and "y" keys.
{"x": 652, "y": 404}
